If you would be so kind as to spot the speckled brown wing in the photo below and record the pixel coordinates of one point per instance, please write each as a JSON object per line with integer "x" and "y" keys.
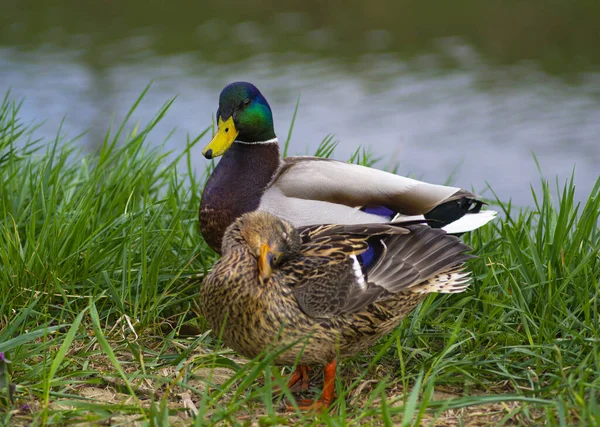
{"x": 313, "y": 232}
{"x": 331, "y": 276}
{"x": 324, "y": 286}
{"x": 324, "y": 276}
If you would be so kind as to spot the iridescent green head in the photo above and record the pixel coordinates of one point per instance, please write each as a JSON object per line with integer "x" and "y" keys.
{"x": 244, "y": 115}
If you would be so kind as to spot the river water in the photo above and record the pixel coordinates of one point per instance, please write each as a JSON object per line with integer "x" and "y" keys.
{"x": 468, "y": 101}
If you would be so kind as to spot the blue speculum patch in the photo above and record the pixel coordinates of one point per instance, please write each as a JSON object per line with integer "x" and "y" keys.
{"x": 367, "y": 258}
{"x": 380, "y": 211}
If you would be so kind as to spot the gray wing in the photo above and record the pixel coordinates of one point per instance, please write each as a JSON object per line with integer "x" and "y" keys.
{"x": 329, "y": 278}
{"x": 309, "y": 190}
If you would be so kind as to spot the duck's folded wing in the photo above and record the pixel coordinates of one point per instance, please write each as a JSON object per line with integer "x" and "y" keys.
{"x": 324, "y": 277}
{"x": 332, "y": 181}
{"x": 343, "y": 272}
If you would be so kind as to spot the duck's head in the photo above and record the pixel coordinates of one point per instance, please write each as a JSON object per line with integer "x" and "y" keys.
{"x": 243, "y": 115}
{"x": 270, "y": 239}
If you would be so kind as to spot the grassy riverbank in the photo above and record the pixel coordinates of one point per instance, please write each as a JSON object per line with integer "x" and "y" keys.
{"x": 100, "y": 258}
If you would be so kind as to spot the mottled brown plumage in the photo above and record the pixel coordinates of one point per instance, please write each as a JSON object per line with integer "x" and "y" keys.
{"x": 327, "y": 291}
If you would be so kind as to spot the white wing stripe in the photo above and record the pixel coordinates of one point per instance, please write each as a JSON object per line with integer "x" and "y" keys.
{"x": 360, "y": 279}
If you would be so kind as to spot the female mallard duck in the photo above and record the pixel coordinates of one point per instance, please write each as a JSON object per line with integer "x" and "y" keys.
{"x": 309, "y": 190}
{"x": 323, "y": 291}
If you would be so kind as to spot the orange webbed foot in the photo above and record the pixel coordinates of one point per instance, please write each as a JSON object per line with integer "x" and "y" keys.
{"x": 299, "y": 381}
{"x": 328, "y": 392}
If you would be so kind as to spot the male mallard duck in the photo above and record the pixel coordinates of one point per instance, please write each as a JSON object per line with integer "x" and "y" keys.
{"x": 309, "y": 190}
{"x": 324, "y": 290}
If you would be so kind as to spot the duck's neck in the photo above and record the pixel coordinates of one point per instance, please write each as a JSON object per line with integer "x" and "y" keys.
{"x": 236, "y": 187}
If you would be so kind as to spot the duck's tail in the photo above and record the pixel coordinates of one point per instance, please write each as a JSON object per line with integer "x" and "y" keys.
{"x": 469, "y": 222}
{"x": 448, "y": 282}
{"x": 458, "y": 214}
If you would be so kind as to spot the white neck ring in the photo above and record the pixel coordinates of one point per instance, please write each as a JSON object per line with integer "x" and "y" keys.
{"x": 268, "y": 141}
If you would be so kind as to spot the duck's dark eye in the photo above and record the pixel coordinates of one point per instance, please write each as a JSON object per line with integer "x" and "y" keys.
{"x": 246, "y": 102}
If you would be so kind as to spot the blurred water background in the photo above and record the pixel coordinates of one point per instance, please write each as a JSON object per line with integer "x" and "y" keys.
{"x": 465, "y": 89}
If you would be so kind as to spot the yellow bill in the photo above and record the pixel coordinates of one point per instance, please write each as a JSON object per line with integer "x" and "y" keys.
{"x": 264, "y": 262}
{"x": 226, "y": 134}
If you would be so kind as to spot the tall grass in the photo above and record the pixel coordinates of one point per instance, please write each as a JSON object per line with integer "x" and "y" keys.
{"x": 101, "y": 261}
